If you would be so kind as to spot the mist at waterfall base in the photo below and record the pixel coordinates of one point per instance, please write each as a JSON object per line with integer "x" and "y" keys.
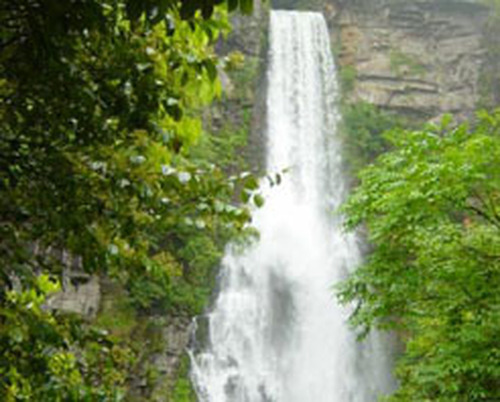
{"x": 276, "y": 332}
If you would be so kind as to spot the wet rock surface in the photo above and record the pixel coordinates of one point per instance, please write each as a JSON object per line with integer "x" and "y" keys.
{"x": 422, "y": 58}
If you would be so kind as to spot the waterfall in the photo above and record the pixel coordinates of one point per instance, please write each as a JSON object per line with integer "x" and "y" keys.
{"x": 276, "y": 332}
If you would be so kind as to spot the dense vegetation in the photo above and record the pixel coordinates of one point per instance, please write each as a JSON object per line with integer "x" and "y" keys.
{"x": 361, "y": 129}
{"x": 99, "y": 111}
{"x": 428, "y": 202}
{"x": 431, "y": 210}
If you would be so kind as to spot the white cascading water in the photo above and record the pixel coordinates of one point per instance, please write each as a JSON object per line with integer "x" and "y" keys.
{"x": 276, "y": 332}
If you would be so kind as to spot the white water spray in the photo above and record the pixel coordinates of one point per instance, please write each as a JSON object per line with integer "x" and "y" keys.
{"x": 276, "y": 333}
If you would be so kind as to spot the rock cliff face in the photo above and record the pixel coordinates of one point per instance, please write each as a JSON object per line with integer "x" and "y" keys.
{"x": 243, "y": 105}
{"x": 420, "y": 57}
{"x": 81, "y": 294}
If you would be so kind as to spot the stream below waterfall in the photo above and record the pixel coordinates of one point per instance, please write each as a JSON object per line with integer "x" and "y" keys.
{"x": 276, "y": 332}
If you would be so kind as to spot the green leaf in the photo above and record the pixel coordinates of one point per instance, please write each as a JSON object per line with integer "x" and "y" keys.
{"x": 258, "y": 200}
{"x": 211, "y": 69}
{"x": 134, "y": 9}
{"x": 246, "y": 6}
{"x": 251, "y": 183}
{"x": 232, "y": 5}
{"x": 245, "y": 196}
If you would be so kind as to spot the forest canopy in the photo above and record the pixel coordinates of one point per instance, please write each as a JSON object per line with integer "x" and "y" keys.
{"x": 431, "y": 211}
{"x": 99, "y": 107}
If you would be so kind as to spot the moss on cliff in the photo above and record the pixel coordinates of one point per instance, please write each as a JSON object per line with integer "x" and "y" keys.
{"x": 490, "y": 71}
{"x": 183, "y": 389}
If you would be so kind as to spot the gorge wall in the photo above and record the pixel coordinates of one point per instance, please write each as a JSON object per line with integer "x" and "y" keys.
{"x": 421, "y": 58}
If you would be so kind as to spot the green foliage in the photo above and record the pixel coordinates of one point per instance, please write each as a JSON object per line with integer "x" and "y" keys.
{"x": 117, "y": 315}
{"x": 347, "y": 78}
{"x": 244, "y": 78}
{"x": 183, "y": 390}
{"x": 403, "y": 64}
{"x": 104, "y": 175}
{"x": 226, "y": 146}
{"x": 431, "y": 210}
{"x": 362, "y": 127}
{"x": 50, "y": 357}
{"x": 96, "y": 120}
{"x": 200, "y": 254}
{"x": 228, "y": 122}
